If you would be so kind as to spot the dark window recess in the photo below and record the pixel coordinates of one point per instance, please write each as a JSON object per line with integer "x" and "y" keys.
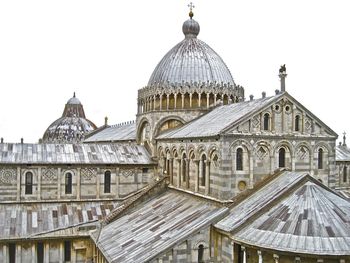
{"x": 203, "y": 169}
{"x": 29, "y": 183}
{"x": 282, "y": 158}
{"x": 12, "y": 253}
{"x": 266, "y": 122}
{"x": 239, "y": 159}
{"x": 40, "y": 252}
{"x": 297, "y": 123}
{"x": 320, "y": 159}
{"x": 107, "y": 184}
{"x": 200, "y": 254}
{"x": 184, "y": 168}
{"x": 145, "y": 170}
{"x": 67, "y": 251}
{"x": 345, "y": 174}
{"x": 68, "y": 183}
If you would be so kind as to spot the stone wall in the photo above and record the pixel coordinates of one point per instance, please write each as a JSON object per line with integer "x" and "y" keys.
{"x": 53, "y": 251}
{"x": 48, "y": 182}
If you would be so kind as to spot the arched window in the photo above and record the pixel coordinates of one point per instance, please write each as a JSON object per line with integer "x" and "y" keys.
{"x": 200, "y": 254}
{"x": 29, "y": 183}
{"x": 239, "y": 159}
{"x": 266, "y": 122}
{"x": 107, "y": 182}
{"x": 297, "y": 123}
{"x": 203, "y": 169}
{"x": 320, "y": 159}
{"x": 68, "y": 183}
{"x": 282, "y": 158}
{"x": 345, "y": 174}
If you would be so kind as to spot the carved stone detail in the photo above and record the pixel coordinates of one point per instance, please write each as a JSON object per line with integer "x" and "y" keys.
{"x": 8, "y": 176}
{"x": 88, "y": 174}
{"x": 127, "y": 172}
{"x": 49, "y": 174}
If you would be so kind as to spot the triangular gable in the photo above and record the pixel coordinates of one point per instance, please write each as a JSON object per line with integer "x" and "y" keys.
{"x": 253, "y": 120}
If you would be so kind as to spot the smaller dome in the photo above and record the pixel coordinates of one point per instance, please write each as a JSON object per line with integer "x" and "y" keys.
{"x": 71, "y": 127}
{"x": 73, "y": 100}
{"x": 190, "y": 28}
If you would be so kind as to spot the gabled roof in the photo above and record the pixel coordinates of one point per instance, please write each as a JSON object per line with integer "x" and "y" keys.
{"x": 22, "y": 221}
{"x": 156, "y": 225}
{"x": 19, "y": 153}
{"x": 342, "y": 153}
{"x": 218, "y": 119}
{"x": 114, "y": 133}
{"x": 292, "y": 213}
{"x": 223, "y": 118}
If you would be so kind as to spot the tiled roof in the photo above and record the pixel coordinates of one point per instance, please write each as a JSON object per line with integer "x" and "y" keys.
{"x": 155, "y": 226}
{"x": 20, "y": 221}
{"x": 114, "y": 133}
{"x": 218, "y": 119}
{"x": 292, "y": 213}
{"x": 342, "y": 153}
{"x": 73, "y": 154}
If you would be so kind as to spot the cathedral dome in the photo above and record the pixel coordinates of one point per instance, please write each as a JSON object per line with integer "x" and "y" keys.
{"x": 71, "y": 127}
{"x": 191, "y": 60}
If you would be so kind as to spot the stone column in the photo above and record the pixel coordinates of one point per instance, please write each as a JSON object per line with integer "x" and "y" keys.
{"x": 191, "y": 100}
{"x": 98, "y": 183}
{"x": 154, "y": 102}
{"x": 207, "y": 177}
{"x": 276, "y": 258}
{"x": 244, "y": 255}
{"x": 175, "y": 98}
{"x": 260, "y": 259}
{"x": 78, "y": 184}
{"x": 199, "y": 100}
{"x": 18, "y": 253}
{"x": 215, "y": 99}
{"x": 5, "y": 253}
{"x": 183, "y": 101}
{"x": 196, "y": 181}
{"x": 303, "y": 118}
{"x": 58, "y": 183}
{"x": 208, "y": 96}
{"x": 39, "y": 184}
{"x": 19, "y": 184}
{"x": 292, "y": 157}
{"x": 251, "y": 170}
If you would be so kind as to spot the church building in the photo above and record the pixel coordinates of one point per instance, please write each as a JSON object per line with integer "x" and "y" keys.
{"x": 203, "y": 174}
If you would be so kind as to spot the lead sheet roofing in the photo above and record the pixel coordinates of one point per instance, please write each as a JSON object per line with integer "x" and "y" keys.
{"x": 342, "y": 153}
{"x": 28, "y": 220}
{"x": 73, "y": 154}
{"x": 218, "y": 119}
{"x": 119, "y": 132}
{"x": 292, "y": 213}
{"x": 155, "y": 226}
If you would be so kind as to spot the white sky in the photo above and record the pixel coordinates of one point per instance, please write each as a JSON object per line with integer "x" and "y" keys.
{"x": 106, "y": 50}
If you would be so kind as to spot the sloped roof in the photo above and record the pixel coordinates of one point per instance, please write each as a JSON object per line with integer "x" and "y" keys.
{"x": 155, "y": 226}
{"x": 218, "y": 119}
{"x": 342, "y": 153}
{"x": 114, "y": 133}
{"x": 73, "y": 154}
{"x": 292, "y": 213}
{"x": 20, "y": 221}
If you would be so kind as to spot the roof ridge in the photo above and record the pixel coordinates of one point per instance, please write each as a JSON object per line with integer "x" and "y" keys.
{"x": 132, "y": 200}
{"x": 121, "y": 124}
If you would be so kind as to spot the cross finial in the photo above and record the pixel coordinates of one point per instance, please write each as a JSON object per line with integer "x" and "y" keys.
{"x": 74, "y": 94}
{"x": 191, "y": 6}
{"x": 344, "y": 139}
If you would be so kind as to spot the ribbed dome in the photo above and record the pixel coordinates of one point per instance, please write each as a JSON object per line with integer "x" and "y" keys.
{"x": 71, "y": 127}
{"x": 191, "y": 60}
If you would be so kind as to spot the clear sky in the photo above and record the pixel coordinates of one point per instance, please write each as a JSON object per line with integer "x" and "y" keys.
{"x": 106, "y": 50}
